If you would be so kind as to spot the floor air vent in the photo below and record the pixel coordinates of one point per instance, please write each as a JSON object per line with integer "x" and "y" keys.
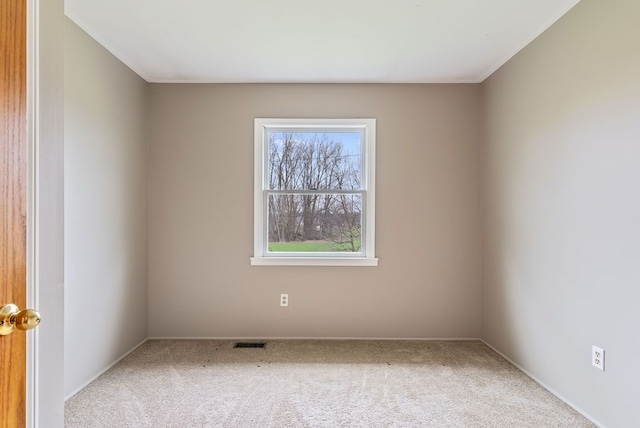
{"x": 260, "y": 345}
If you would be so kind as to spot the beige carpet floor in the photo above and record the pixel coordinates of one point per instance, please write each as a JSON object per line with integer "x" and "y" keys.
{"x": 304, "y": 383}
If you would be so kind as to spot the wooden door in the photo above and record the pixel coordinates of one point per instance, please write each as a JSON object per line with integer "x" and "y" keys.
{"x": 13, "y": 191}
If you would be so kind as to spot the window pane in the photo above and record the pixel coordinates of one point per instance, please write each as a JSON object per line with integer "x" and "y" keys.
{"x": 314, "y": 161}
{"x": 314, "y": 223}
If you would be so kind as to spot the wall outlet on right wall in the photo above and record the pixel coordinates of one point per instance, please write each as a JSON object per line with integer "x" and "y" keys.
{"x": 597, "y": 357}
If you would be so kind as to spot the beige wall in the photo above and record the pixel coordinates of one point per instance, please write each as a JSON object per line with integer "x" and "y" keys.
{"x": 562, "y": 198}
{"x": 201, "y": 216}
{"x": 105, "y": 208}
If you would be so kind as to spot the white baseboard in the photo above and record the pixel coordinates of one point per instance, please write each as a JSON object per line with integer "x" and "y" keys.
{"x": 83, "y": 386}
{"x": 425, "y": 339}
{"x": 545, "y": 386}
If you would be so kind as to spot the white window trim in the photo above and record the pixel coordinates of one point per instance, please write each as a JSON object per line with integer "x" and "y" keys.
{"x": 367, "y": 256}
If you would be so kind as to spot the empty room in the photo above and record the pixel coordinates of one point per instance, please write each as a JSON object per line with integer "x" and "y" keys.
{"x": 334, "y": 214}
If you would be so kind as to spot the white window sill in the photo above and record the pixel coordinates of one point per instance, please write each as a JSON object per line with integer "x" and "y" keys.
{"x": 314, "y": 261}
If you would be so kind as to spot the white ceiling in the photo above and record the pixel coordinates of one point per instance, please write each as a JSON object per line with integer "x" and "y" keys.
{"x": 399, "y": 41}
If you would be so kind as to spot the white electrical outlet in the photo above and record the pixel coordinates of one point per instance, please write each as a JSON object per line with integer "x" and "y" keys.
{"x": 597, "y": 357}
{"x": 284, "y": 300}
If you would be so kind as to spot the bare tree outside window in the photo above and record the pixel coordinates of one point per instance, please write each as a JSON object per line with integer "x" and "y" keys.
{"x": 314, "y": 192}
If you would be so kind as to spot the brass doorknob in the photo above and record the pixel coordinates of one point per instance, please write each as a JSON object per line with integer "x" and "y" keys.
{"x": 11, "y": 317}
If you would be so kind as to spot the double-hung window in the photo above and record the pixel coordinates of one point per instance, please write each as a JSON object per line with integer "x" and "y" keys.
{"x": 314, "y": 197}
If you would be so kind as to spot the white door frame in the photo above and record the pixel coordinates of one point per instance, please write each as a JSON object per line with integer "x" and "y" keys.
{"x": 32, "y": 295}
{"x": 45, "y": 216}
